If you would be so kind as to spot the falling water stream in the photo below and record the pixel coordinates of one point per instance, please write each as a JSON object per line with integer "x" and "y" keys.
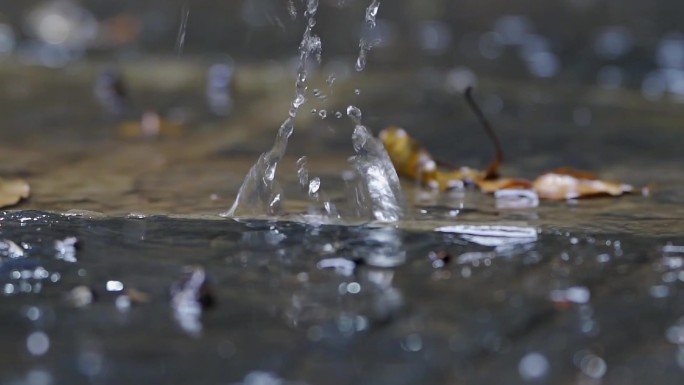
{"x": 378, "y": 194}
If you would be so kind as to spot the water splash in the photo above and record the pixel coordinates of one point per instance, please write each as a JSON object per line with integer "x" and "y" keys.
{"x": 371, "y": 12}
{"x": 260, "y": 193}
{"x": 378, "y": 192}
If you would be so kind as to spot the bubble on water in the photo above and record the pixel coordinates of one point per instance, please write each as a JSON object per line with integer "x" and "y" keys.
{"x": 609, "y": 77}
{"x": 38, "y": 343}
{"x": 372, "y": 12}
{"x": 613, "y": 42}
{"x": 434, "y": 36}
{"x": 533, "y": 366}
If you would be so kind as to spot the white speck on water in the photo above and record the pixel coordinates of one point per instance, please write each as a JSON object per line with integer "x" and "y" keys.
{"x": 38, "y": 343}
{"x": 673, "y": 249}
{"x": 114, "y": 286}
{"x": 341, "y": 266}
{"x": 533, "y": 366}
{"x": 353, "y": 288}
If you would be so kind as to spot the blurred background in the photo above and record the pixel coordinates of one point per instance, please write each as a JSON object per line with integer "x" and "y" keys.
{"x": 593, "y": 84}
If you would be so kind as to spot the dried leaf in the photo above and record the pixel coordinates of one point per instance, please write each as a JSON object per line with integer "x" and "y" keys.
{"x": 565, "y": 183}
{"x": 12, "y": 191}
{"x": 151, "y": 125}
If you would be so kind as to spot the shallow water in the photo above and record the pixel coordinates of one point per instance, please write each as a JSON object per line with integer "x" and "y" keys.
{"x": 279, "y": 309}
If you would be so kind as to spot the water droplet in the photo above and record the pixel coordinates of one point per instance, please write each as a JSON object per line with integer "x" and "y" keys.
{"x": 314, "y": 186}
{"x": 371, "y": 13}
{"x": 291, "y": 9}
{"x": 354, "y": 113}
{"x": 357, "y": 91}
{"x": 303, "y": 171}
{"x": 338, "y": 115}
{"x": 322, "y": 114}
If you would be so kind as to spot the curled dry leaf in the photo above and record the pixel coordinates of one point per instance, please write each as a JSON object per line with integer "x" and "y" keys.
{"x": 413, "y": 161}
{"x": 566, "y": 183}
{"x": 12, "y": 191}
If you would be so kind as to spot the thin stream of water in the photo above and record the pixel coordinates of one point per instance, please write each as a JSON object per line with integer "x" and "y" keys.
{"x": 182, "y": 29}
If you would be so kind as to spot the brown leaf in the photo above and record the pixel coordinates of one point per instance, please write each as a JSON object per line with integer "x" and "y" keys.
{"x": 12, "y": 191}
{"x": 566, "y": 183}
{"x": 151, "y": 125}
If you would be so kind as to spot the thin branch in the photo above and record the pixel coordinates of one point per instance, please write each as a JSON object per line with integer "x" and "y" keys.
{"x": 493, "y": 169}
